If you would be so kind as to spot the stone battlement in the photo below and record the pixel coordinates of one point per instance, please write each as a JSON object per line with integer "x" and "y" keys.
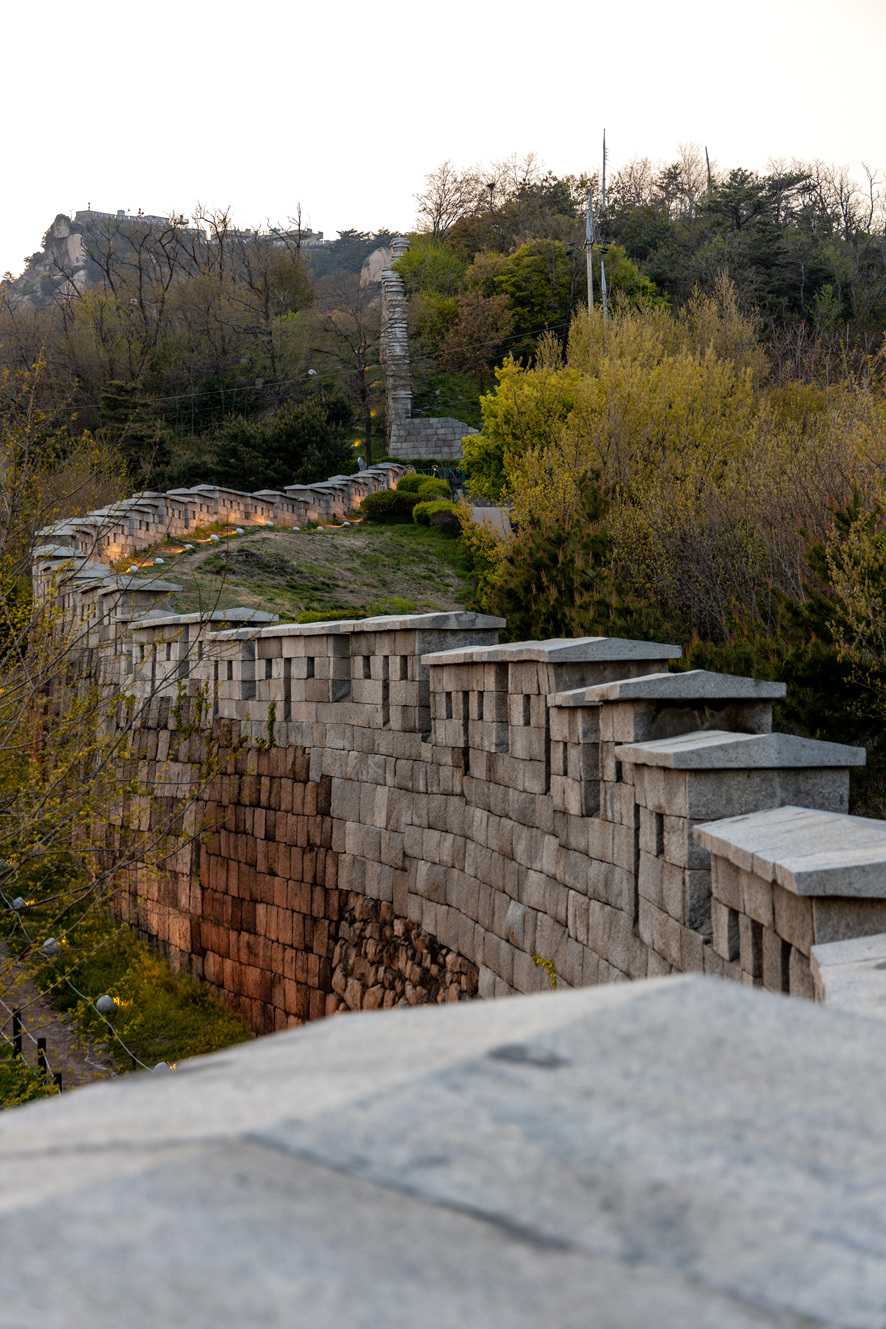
{"x": 91, "y": 542}
{"x": 411, "y": 811}
{"x": 416, "y": 812}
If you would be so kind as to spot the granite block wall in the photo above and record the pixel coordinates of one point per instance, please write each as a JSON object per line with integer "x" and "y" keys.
{"x": 402, "y": 810}
{"x": 412, "y": 812}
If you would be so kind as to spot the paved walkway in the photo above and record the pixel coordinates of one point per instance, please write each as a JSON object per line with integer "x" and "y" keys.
{"x": 498, "y": 518}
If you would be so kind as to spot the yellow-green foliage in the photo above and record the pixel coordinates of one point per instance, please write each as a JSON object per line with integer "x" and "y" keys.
{"x": 19, "y": 1083}
{"x": 856, "y": 564}
{"x": 525, "y": 413}
{"x": 715, "y": 477}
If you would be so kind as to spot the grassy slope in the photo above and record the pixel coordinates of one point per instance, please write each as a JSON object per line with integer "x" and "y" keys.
{"x": 360, "y": 569}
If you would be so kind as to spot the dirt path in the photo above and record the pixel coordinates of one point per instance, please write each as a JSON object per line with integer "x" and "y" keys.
{"x": 66, "y": 1049}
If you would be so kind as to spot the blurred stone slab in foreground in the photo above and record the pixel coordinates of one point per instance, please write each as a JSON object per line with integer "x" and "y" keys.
{"x": 682, "y": 1153}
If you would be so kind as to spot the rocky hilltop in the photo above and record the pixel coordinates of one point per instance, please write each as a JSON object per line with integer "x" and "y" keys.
{"x": 63, "y": 265}
{"x": 76, "y": 249}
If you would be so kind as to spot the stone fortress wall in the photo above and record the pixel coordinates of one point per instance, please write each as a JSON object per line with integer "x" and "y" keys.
{"x": 412, "y": 812}
{"x": 439, "y": 436}
{"x": 127, "y": 528}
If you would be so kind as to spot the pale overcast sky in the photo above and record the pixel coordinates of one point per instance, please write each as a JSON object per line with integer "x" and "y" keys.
{"x": 345, "y": 107}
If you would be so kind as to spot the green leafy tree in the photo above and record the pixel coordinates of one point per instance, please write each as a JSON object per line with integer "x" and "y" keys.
{"x": 128, "y": 426}
{"x": 300, "y": 445}
{"x": 545, "y": 280}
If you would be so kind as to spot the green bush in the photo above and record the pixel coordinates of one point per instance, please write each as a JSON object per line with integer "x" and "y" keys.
{"x": 410, "y": 483}
{"x": 433, "y": 487}
{"x": 428, "y": 486}
{"x": 388, "y": 505}
{"x": 423, "y": 512}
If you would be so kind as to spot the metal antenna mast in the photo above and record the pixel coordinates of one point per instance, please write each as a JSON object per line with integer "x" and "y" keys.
{"x": 603, "y": 208}
{"x": 603, "y": 292}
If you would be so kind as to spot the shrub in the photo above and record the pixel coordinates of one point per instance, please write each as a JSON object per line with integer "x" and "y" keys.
{"x": 388, "y": 505}
{"x": 18, "y": 1083}
{"x": 423, "y": 514}
{"x": 409, "y": 483}
{"x": 433, "y": 487}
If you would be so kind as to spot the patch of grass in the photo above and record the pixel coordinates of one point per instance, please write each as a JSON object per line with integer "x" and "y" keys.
{"x": 394, "y": 606}
{"x": 352, "y": 572}
{"x": 161, "y": 1015}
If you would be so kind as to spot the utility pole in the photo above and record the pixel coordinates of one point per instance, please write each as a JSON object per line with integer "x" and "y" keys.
{"x": 589, "y": 246}
{"x": 604, "y": 174}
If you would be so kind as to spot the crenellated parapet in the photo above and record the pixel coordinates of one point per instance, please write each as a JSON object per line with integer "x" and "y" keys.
{"x": 415, "y": 812}
{"x": 89, "y": 546}
{"x": 408, "y": 810}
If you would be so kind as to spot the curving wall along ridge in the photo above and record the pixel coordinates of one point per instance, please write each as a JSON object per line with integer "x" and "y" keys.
{"x": 421, "y": 814}
{"x": 141, "y": 522}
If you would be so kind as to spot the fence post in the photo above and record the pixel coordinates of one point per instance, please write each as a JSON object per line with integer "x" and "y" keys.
{"x": 17, "y": 1032}
{"x": 42, "y": 1067}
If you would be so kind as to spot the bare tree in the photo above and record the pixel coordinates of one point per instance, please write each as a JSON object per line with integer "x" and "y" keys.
{"x": 448, "y": 196}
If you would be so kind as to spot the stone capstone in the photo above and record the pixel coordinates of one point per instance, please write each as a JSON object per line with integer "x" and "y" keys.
{"x": 719, "y": 749}
{"x": 808, "y": 852}
{"x": 691, "y": 685}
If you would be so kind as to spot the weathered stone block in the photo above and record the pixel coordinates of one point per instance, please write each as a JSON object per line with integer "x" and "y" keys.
{"x": 835, "y": 919}
{"x": 776, "y": 962}
{"x": 651, "y": 833}
{"x": 801, "y": 982}
{"x": 667, "y": 937}
{"x": 756, "y": 899}
{"x": 649, "y": 880}
{"x": 673, "y": 894}
{"x": 692, "y": 952}
{"x": 751, "y": 948}
{"x": 726, "y": 882}
{"x": 515, "y": 924}
{"x": 577, "y": 914}
{"x": 724, "y": 920}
